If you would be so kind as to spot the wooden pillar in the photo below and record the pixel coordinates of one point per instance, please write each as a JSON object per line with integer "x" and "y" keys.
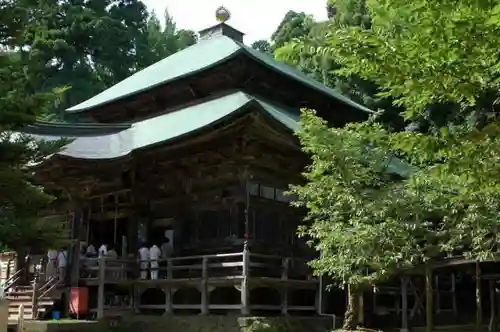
{"x": 454, "y": 294}
{"x": 245, "y": 309}
{"x": 136, "y": 299}
{"x": 73, "y": 272}
{"x": 100, "y": 289}
{"x": 284, "y": 287}
{"x": 168, "y": 301}
{"x": 404, "y": 303}
{"x": 493, "y": 309}
{"x": 204, "y": 284}
{"x": 479, "y": 307}
{"x": 34, "y": 298}
{"x": 429, "y": 312}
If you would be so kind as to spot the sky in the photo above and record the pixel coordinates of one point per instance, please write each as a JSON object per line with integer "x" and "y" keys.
{"x": 258, "y": 19}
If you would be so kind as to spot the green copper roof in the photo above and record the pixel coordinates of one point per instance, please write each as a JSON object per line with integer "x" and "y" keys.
{"x": 115, "y": 143}
{"x": 194, "y": 59}
{"x": 97, "y": 142}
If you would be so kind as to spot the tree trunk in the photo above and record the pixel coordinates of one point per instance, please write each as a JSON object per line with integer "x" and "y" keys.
{"x": 351, "y": 316}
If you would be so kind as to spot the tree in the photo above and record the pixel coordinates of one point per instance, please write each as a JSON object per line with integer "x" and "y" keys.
{"x": 360, "y": 218}
{"x": 303, "y": 53}
{"x": 92, "y": 45}
{"x": 261, "y": 45}
{"x": 349, "y": 12}
{"x": 293, "y": 25}
{"x": 20, "y": 105}
{"x": 431, "y": 53}
{"x": 161, "y": 41}
{"x": 438, "y": 60}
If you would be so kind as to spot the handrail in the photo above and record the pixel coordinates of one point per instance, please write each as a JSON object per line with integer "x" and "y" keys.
{"x": 47, "y": 286}
{"x": 50, "y": 285}
{"x": 7, "y": 284}
{"x": 47, "y": 283}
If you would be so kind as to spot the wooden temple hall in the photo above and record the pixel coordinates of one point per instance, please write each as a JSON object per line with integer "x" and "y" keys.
{"x": 198, "y": 148}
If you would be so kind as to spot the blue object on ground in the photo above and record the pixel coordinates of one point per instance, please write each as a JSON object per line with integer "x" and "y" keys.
{"x": 56, "y": 315}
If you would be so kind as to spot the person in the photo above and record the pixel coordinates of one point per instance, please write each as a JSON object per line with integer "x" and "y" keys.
{"x": 103, "y": 250}
{"x": 167, "y": 249}
{"x": 51, "y": 268}
{"x": 91, "y": 252}
{"x": 113, "y": 263}
{"x": 144, "y": 261}
{"x": 154, "y": 256}
{"x": 62, "y": 262}
{"x": 112, "y": 253}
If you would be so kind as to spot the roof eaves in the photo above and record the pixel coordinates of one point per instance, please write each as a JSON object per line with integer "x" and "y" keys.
{"x": 78, "y": 108}
{"x": 301, "y": 78}
{"x": 73, "y": 129}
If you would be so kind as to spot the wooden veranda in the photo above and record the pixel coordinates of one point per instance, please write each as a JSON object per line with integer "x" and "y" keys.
{"x": 242, "y": 271}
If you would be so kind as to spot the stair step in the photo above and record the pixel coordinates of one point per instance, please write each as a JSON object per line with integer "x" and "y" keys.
{"x": 26, "y": 305}
{"x": 26, "y": 310}
{"x": 16, "y": 317}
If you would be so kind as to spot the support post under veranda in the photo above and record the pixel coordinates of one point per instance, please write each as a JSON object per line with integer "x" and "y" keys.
{"x": 429, "y": 304}
{"x": 479, "y": 307}
{"x": 493, "y": 306}
{"x": 404, "y": 303}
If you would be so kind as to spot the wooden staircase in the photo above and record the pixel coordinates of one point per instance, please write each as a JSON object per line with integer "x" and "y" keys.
{"x": 47, "y": 293}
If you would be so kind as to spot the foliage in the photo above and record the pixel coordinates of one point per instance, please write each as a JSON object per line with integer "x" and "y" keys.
{"x": 430, "y": 52}
{"x": 162, "y": 41}
{"x": 261, "y": 45}
{"x": 303, "y": 54}
{"x": 360, "y": 217}
{"x": 20, "y": 105}
{"x": 90, "y": 45}
{"x": 349, "y": 12}
{"x": 293, "y": 25}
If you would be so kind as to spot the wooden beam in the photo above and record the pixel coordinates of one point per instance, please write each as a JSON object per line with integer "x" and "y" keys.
{"x": 404, "y": 303}
{"x": 245, "y": 305}
{"x": 479, "y": 307}
{"x": 429, "y": 307}
{"x": 100, "y": 287}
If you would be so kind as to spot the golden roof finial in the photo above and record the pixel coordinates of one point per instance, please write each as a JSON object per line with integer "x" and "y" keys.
{"x": 222, "y": 14}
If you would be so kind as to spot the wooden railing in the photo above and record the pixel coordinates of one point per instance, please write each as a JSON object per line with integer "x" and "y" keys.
{"x": 234, "y": 269}
{"x": 227, "y": 266}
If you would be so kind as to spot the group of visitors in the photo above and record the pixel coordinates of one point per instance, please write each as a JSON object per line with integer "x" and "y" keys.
{"x": 57, "y": 261}
{"x": 150, "y": 258}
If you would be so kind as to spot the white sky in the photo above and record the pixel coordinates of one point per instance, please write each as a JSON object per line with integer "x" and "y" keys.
{"x": 257, "y": 18}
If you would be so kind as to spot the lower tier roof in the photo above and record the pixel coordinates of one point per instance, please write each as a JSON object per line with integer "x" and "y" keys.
{"x": 115, "y": 143}
{"x": 96, "y": 142}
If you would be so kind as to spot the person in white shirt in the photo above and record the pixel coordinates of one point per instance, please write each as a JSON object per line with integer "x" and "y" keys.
{"x": 91, "y": 252}
{"x": 144, "y": 261}
{"x": 154, "y": 256}
{"x": 103, "y": 251}
{"x": 62, "y": 262}
{"x": 51, "y": 268}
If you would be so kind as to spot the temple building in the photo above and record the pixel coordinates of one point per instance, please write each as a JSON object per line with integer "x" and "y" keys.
{"x": 198, "y": 148}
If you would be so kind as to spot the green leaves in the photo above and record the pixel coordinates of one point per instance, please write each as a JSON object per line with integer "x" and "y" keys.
{"x": 358, "y": 218}
{"x": 20, "y": 105}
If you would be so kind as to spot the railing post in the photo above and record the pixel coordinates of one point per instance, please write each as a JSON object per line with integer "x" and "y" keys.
{"x": 20, "y": 318}
{"x": 284, "y": 287}
{"x": 204, "y": 289}
{"x": 170, "y": 270}
{"x": 100, "y": 290}
{"x": 245, "y": 309}
{"x": 7, "y": 274}
{"x": 34, "y": 298}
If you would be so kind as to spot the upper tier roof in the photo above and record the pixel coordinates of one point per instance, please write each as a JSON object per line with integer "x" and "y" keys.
{"x": 194, "y": 59}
